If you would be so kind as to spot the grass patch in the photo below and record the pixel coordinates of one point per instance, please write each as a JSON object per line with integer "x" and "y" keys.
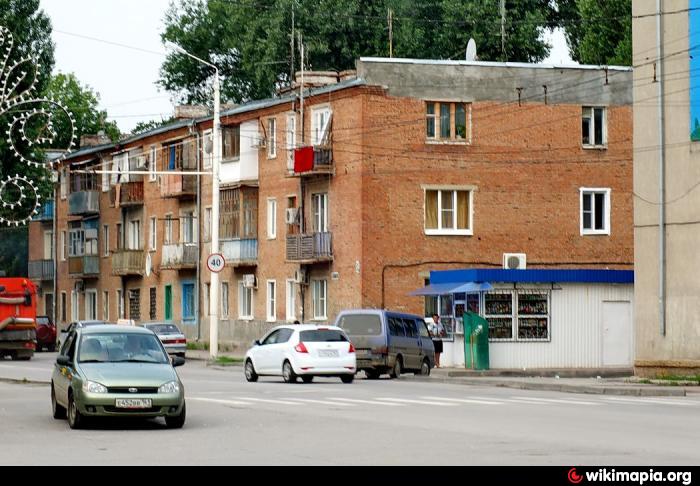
{"x": 227, "y": 360}
{"x": 203, "y": 345}
{"x": 672, "y": 378}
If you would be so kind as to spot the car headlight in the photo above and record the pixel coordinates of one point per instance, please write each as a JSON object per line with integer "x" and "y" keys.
{"x": 170, "y": 387}
{"x": 94, "y": 387}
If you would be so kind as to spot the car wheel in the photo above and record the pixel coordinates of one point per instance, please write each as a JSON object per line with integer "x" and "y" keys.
{"x": 424, "y": 368}
{"x": 372, "y": 374}
{"x": 396, "y": 370}
{"x": 75, "y": 418}
{"x": 177, "y": 421}
{"x": 250, "y": 374}
{"x": 288, "y": 373}
{"x": 347, "y": 378}
{"x": 59, "y": 412}
{"x": 307, "y": 379}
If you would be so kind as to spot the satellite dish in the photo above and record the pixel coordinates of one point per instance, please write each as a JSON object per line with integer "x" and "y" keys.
{"x": 149, "y": 265}
{"x": 471, "y": 50}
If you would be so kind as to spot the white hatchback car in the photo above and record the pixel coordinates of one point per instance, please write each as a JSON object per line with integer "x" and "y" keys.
{"x": 302, "y": 350}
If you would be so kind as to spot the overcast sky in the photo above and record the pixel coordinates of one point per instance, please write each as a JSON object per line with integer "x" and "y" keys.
{"x": 125, "y": 78}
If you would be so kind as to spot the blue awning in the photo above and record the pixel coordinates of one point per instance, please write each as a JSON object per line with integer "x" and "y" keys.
{"x": 452, "y": 288}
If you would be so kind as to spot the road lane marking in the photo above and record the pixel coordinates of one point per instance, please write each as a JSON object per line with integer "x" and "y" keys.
{"x": 219, "y": 401}
{"x": 419, "y": 402}
{"x": 265, "y": 400}
{"x": 465, "y": 400}
{"x": 554, "y": 400}
{"x": 649, "y": 401}
{"x": 322, "y": 402}
{"x": 369, "y": 402}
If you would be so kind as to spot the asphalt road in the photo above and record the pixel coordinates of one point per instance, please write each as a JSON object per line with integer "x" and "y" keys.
{"x": 367, "y": 422}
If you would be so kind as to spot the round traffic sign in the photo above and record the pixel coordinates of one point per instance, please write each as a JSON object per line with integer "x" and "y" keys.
{"x": 216, "y": 262}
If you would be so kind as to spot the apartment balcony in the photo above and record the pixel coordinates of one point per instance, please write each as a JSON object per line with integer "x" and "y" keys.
{"x": 310, "y": 248}
{"x": 83, "y": 202}
{"x": 45, "y": 212}
{"x": 84, "y": 266}
{"x": 310, "y": 161}
{"x": 41, "y": 269}
{"x": 129, "y": 194}
{"x": 179, "y": 256}
{"x": 128, "y": 262}
{"x": 178, "y": 185}
{"x": 239, "y": 252}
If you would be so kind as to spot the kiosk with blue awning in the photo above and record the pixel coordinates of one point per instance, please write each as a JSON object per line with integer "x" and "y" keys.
{"x": 538, "y": 318}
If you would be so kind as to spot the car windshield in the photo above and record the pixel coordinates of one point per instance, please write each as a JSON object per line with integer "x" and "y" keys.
{"x": 360, "y": 324}
{"x": 118, "y": 347}
{"x": 322, "y": 335}
{"x": 42, "y": 320}
{"x": 163, "y": 328}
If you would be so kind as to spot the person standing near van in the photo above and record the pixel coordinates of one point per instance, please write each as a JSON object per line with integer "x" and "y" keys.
{"x": 438, "y": 331}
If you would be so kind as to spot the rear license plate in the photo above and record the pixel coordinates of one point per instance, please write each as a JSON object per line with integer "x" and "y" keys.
{"x": 328, "y": 353}
{"x": 133, "y": 403}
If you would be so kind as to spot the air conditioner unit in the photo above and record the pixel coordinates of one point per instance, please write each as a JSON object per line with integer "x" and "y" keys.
{"x": 300, "y": 276}
{"x": 90, "y": 233}
{"x": 514, "y": 261}
{"x": 258, "y": 142}
{"x": 291, "y": 215}
{"x": 249, "y": 281}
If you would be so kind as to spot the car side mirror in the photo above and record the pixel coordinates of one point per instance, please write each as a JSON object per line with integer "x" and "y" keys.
{"x": 256, "y": 342}
{"x": 63, "y": 360}
{"x": 178, "y": 361}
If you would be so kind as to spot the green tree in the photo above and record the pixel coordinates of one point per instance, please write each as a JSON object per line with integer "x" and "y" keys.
{"x": 82, "y": 102}
{"x": 249, "y": 40}
{"x": 142, "y": 127}
{"x": 598, "y": 31}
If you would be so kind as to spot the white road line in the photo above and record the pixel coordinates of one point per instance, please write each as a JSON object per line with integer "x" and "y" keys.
{"x": 216, "y": 400}
{"x": 554, "y": 400}
{"x": 3, "y": 365}
{"x": 419, "y": 402}
{"x": 649, "y": 401}
{"x": 465, "y": 400}
{"x": 322, "y": 402}
{"x": 369, "y": 402}
{"x": 263, "y": 400}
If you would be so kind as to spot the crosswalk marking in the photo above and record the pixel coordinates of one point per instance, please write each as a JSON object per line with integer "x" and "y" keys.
{"x": 553, "y": 400}
{"x": 217, "y": 400}
{"x": 465, "y": 400}
{"x": 419, "y": 402}
{"x": 322, "y": 402}
{"x": 369, "y": 402}
{"x": 266, "y": 400}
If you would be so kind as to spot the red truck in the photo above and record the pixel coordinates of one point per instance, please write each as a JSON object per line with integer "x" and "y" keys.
{"x": 17, "y": 318}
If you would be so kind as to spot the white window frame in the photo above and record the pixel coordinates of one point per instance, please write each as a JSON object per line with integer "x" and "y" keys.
{"x": 291, "y": 301}
{"x": 271, "y": 301}
{"x": 168, "y": 229}
{"x": 320, "y": 212}
{"x": 271, "y": 218}
{"x": 105, "y": 305}
{"x": 591, "y": 135}
{"x": 134, "y": 237}
{"x": 271, "y": 138}
{"x": 153, "y": 234}
{"x": 63, "y": 246}
{"x": 91, "y": 298}
{"x": 48, "y": 238}
{"x": 291, "y": 139}
{"x": 317, "y": 285}
{"x": 74, "y": 305}
{"x": 452, "y": 139}
{"x": 152, "y": 176}
{"x": 242, "y": 292}
{"x": 207, "y": 157}
{"x": 105, "y": 240}
{"x": 592, "y": 191}
{"x": 320, "y": 124}
{"x": 120, "y": 304}
{"x": 224, "y": 300}
{"x": 188, "y": 228}
{"x": 450, "y": 231}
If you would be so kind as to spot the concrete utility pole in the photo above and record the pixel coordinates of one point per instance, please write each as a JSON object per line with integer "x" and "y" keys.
{"x": 503, "y": 30}
{"x": 390, "y": 14}
{"x": 216, "y": 155}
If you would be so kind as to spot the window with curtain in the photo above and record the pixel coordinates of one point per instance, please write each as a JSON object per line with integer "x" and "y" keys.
{"x": 448, "y": 122}
{"x": 448, "y": 212}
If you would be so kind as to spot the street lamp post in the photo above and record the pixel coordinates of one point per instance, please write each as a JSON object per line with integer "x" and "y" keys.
{"x": 216, "y": 155}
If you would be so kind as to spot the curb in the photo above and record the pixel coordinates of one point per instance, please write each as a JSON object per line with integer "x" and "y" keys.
{"x": 565, "y": 388}
{"x": 24, "y": 381}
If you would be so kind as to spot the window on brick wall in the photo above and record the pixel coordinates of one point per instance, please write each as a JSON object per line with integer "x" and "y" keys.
{"x": 152, "y": 303}
{"x": 271, "y": 138}
{"x": 593, "y": 127}
{"x": 595, "y": 211}
{"x": 448, "y": 212}
{"x": 448, "y": 121}
{"x": 231, "y": 139}
{"x": 135, "y": 304}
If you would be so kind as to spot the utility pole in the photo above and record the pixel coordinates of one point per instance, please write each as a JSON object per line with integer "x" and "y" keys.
{"x": 390, "y": 14}
{"x": 503, "y": 30}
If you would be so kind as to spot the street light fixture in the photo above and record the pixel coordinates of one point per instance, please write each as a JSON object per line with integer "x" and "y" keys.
{"x": 216, "y": 155}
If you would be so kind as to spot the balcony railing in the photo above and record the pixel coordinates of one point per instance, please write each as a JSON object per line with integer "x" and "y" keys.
{"x": 45, "y": 212}
{"x": 83, "y": 202}
{"x": 41, "y": 269}
{"x": 128, "y": 262}
{"x": 129, "y": 194}
{"x": 178, "y": 256}
{"x": 240, "y": 252}
{"x": 314, "y": 247}
{"x": 178, "y": 185}
{"x": 84, "y": 265}
{"x": 313, "y": 160}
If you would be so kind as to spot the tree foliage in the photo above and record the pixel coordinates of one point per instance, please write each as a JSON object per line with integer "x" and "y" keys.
{"x": 250, "y": 40}
{"x": 598, "y": 31}
{"x": 142, "y": 126}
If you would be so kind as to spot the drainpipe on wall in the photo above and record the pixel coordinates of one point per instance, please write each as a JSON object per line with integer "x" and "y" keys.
{"x": 662, "y": 173}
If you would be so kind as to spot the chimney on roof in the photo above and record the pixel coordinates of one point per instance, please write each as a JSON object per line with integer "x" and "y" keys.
{"x": 317, "y": 79}
{"x": 185, "y": 112}
{"x": 91, "y": 140}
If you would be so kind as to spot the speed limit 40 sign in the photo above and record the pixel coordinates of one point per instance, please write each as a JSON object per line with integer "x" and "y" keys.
{"x": 216, "y": 262}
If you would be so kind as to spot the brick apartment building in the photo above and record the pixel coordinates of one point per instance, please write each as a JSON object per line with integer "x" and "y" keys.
{"x": 410, "y": 166}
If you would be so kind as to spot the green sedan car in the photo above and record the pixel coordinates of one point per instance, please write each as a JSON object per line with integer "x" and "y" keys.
{"x": 116, "y": 371}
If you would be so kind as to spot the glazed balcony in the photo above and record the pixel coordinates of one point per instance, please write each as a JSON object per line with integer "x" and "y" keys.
{"x": 83, "y": 202}
{"x": 45, "y": 212}
{"x": 310, "y": 248}
{"x": 83, "y": 266}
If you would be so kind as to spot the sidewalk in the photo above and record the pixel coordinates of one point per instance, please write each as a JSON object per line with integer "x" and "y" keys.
{"x": 203, "y": 355}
